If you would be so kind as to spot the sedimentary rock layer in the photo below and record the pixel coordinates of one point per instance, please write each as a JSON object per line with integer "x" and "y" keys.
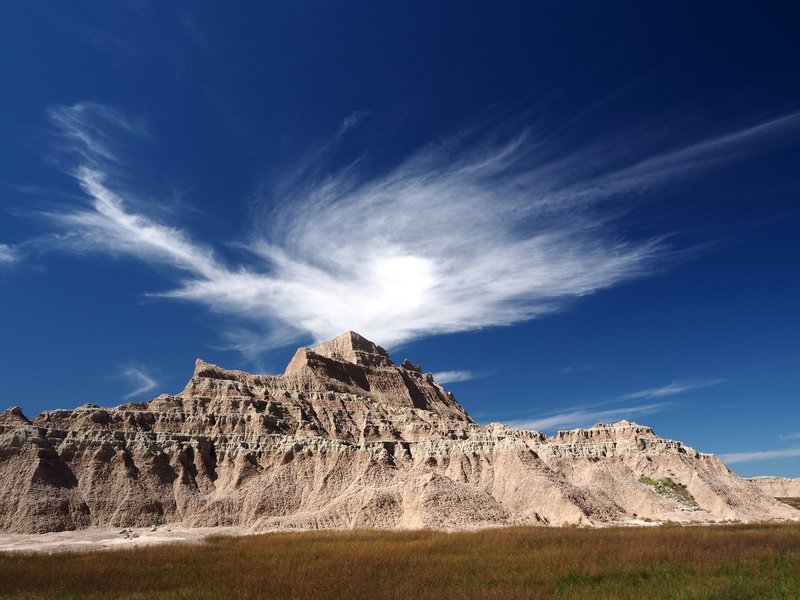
{"x": 778, "y": 487}
{"x": 343, "y": 438}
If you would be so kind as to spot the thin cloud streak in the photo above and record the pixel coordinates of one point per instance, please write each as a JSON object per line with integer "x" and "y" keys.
{"x": 582, "y": 416}
{"x": 351, "y": 120}
{"x": 671, "y": 389}
{"x": 568, "y": 370}
{"x": 7, "y": 254}
{"x": 461, "y": 236}
{"x": 140, "y": 378}
{"x": 740, "y": 457}
{"x": 443, "y": 377}
{"x": 659, "y": 169}
{"x": 91, "y": 130}
{"x": 590, "y": 413}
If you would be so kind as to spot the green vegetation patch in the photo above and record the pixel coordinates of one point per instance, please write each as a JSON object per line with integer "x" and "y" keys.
{"x": 793, "y": 502}
{"x": 670, "y": 488}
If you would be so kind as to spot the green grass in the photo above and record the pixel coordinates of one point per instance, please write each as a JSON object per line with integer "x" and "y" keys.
{"x": 736, "y": 561}
{"x": 666, "y": 486}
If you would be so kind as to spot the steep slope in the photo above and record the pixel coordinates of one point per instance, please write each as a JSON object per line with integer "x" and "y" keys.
{"x": 344, "y": 438}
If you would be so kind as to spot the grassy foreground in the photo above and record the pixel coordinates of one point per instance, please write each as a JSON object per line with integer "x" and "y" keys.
{"x": 736, "y": 561}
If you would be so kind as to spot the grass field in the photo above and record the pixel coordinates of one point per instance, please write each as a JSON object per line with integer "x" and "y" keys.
{"x": 735, "y": 561}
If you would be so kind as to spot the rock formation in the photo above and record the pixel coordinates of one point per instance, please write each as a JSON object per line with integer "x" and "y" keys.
{"x": 778, "y": 487}
{"x": 344, "y": 438}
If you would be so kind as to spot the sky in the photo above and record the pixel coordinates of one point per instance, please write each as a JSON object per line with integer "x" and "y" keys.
{"x": 570, "y": 212}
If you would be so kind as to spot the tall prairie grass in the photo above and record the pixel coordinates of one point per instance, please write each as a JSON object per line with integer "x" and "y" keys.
{"x": 735, "y": 561}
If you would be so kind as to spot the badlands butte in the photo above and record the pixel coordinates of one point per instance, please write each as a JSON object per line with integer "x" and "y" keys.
{"x": 345, "y": 438}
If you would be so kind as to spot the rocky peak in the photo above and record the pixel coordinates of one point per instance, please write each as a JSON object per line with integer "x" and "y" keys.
{"x": 350, "y": 347}
{"x": 352, "y": 363}
{"x": 409, "y": 366}
{"x": 206, "y": 369}
{"x": 344, "y": 438}
{"x": 13, "y": 416}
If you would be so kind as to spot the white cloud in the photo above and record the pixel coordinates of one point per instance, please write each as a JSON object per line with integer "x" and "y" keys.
{"x": 441, "y": 244}
{"x": 139, "y": 377}
{"x": 351, "y": 120}
{"x": 460, "y": 236}
{"x": 443, "y": 377}
{"x": 91, "y": 130}
{"x": 585, "y": 416}
{"x": 739, "y": 457}
{"x": 109, "y": 227}
{"x": 671, "y": 389}
{"x": 7, "y": 255}
{"x": 792, "y": 436}
{"x": 660, "y": 168}
{"x": 569, "y": 369}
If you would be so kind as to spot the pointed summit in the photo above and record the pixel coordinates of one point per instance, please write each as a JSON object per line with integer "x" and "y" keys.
{"x": 357, "y": 441}
{"x": 13, "y": 415}
{"x": 354, "y": 348}
{"x": 203, "y": 368}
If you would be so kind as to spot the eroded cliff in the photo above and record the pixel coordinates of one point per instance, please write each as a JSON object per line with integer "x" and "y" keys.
{"x": 344, "y": 438}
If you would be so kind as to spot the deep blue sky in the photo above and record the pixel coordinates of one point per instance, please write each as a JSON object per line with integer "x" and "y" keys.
{"x": 584, "y": 212}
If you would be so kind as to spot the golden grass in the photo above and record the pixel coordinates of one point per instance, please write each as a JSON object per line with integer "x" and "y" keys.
{"x": 736, "y": 561}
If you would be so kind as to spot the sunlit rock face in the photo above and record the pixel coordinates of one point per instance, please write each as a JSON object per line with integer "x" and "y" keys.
{"x": 343, "y": 438}
{"x": 779, "y": 487}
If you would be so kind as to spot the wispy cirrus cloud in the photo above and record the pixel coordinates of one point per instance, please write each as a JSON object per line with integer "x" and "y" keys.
{"x": 140, "y": 378}
{"x": 92, "y": 131}
{"x": 585, "y": 416}
{"x": 443, "y": 377}
{"x": 7, "y": 254}
{"x": 351, "y": 120}
{"x": 657, "y": 169}
{"x": 570, "y": 369}
{"x": 671, "y": 389}
{"x": 740, "y": 457}
{"x": 613, "y": 409}
{"x": 465, "y": 234}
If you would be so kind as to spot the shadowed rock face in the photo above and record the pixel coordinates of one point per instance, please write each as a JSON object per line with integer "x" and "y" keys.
{"x": 344, "y": 438}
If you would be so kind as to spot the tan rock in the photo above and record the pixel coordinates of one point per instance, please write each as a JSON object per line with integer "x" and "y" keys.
{"x": 344, "y": 438}
{"x": 778, "y": 487}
